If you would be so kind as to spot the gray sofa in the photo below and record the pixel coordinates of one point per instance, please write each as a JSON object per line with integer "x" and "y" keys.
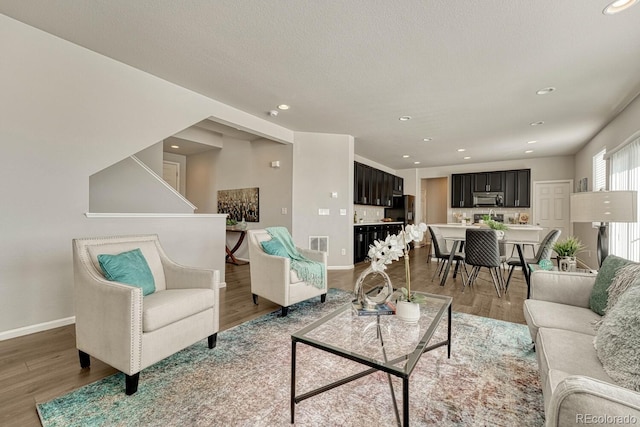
{"x": 576, "y": 388}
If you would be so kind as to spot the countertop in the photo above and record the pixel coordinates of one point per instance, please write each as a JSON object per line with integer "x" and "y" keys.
{"x": 379, "y": 223}
{"x": 509, "y": 226}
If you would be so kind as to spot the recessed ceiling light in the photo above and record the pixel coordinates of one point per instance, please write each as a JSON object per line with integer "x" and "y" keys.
{"x": 466, "y": 158}
{"x": 460, "y": 150}
{"x": 618, "y": 6}
{"x": 531, "y": 142}
{"x": 546, "y": 90}
{"x": 528, "y": 151}
{"x": 405, "y": 156}
{"x": 283, "y": 107}
{"x": 416, "y": 163}
{"x": 537, "y": 123}
{"x": 175, "y": 146}
{"x": 427, "y": 139}
{"x": 404, "y": 118}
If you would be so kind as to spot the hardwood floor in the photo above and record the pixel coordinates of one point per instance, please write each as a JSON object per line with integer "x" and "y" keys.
{"x": 41, "y": 366}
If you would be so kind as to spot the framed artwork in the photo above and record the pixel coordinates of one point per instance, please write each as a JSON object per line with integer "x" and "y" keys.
{"x": 241, "y": 203}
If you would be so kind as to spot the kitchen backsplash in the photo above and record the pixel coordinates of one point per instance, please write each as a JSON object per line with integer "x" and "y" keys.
{"x": 368, "y": 213}
{"x": 510, "y": 215}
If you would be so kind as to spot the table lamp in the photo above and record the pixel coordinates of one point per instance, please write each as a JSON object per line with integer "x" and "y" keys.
{"x": 604, "y": 207}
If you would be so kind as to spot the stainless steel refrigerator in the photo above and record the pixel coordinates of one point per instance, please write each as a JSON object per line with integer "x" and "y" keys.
{"x": 403, "y": 209}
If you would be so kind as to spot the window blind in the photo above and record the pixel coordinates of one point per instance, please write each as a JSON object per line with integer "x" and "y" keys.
{"x": 624, "y": 238}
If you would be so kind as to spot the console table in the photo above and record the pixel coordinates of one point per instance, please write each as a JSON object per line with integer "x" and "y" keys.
{"x": 230, "y": 258}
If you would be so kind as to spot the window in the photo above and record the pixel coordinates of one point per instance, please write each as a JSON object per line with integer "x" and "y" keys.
{"x": 624, "y": 238}
{"x": 599, "y": 171}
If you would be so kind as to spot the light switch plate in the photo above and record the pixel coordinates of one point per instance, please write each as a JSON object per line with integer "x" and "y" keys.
{"x": 323, "y": 212}
{"x": 343, "y": 211}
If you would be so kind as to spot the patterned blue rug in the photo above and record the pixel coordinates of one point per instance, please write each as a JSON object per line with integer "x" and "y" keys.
{"x": 491, "y": 379}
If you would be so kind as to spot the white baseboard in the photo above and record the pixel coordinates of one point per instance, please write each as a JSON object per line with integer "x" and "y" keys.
{"x": 340, "y": 267}
{"x": 32, "y": 329}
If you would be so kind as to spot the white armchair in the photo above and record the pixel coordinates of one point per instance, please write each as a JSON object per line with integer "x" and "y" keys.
{"x": 115, "y": 323}
{"x": 272, "y": 277}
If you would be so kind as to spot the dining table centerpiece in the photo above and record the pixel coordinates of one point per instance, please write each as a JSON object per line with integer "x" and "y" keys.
{"x": 382, "y": 253}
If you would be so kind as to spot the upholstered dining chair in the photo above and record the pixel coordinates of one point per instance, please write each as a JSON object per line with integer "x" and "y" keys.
{"x": 442, "y": 255}
{"x": 135, "y": 307}
{"x": 273, "y": 278}
{"x": 544, "y": 252}
{"x": 482, "y": 249}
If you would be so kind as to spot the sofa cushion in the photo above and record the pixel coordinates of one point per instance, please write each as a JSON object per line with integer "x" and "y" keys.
{"x": 130, "y": 268}
{"x": 608, "y": 270}
{"x": 569, "y": 352}
{"x": 618, "y": 340}
{"x": 545, "y": 314}
{"x": 165, "y": 307}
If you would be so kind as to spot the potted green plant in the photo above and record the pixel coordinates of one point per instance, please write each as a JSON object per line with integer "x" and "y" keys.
{"x": 500, "y": 227}
{"x": 567, "y": 249}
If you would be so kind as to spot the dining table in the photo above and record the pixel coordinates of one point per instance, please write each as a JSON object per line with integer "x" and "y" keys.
{"x": 519, "y": 238}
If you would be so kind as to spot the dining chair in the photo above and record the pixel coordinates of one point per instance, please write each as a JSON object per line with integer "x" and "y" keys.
{"x": 544, "y": 252}
{"x": 482, "y": 250}
{"x": 442, "y": 255}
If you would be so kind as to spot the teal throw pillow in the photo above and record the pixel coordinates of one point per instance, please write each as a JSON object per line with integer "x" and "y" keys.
{"x": 600, "y": 293}
{"x": 274, "y": 247}
{"x": 130, "y": 268}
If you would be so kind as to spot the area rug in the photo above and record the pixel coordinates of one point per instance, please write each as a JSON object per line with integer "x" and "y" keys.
{"x": 491, "y": 379}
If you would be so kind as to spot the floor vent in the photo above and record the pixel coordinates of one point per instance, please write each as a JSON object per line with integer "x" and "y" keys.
{"x": 319, "y": 243}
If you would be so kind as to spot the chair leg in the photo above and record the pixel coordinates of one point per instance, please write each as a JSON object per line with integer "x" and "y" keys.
{"x": 496, "y": 280}
{"x": 284, "y": 311}
{"x": 511, "y": 268}
{"x": 212, "y": 340}
{"x": 435, "y": 273}
{"x": 85, "y": 360}
{"x": 131, "y": 383}
{"x": 323, "y": 298}
{"x": 255, "y": 298}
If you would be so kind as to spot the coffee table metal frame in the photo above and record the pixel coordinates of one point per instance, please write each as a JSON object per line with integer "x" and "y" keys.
{"x": 388, "y": 366}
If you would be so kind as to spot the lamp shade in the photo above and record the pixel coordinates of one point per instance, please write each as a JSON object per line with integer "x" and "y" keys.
{"x": 604, "y": 206}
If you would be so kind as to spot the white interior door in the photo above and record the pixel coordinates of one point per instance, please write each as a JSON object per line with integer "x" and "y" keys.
{"x": 171, "y": 174}
{"x": 551, "y": 206}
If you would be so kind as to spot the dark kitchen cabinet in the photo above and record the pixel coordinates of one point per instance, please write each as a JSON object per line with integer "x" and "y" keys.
{"x": 375, "y": 187}
{"x": 398, "y": 186}
{"x": 488, "y": 181}
{"x": 360, "y": 243}
{"x": 517, "y": 188}
{"x": 362, "y": 184}
{"x": 462, "y": 190}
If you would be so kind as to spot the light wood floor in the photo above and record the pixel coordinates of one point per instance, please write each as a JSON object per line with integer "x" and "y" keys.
{"x": 41, "y": 366}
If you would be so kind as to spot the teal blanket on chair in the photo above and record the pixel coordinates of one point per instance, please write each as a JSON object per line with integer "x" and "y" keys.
{"x": 310, "y": 271}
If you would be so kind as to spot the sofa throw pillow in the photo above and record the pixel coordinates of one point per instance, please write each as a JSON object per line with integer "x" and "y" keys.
{"x": 618, "y": 340}
{"x": 626, "y": 277}
{"x": 599, "y": 294}
{"x": 130, "y": 268}
{"x": 274, "y": 247}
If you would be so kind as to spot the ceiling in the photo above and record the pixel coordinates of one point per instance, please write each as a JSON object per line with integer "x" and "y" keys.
{"x": 466, "y": 72}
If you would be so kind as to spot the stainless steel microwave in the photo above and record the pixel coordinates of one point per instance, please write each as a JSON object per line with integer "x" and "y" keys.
{"x": 488, "y": 199}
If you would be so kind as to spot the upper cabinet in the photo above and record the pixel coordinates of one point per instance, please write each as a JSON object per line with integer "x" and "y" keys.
{"x": 517, "y": 193}
{"x": 488, "y": 181}
{"x": 462, "y": 190}
{"x": 515, "y": 185}
{"x": 375, "y": 187}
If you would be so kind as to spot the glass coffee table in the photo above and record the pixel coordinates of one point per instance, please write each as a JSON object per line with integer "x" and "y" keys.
{"x": 381, "y": 342}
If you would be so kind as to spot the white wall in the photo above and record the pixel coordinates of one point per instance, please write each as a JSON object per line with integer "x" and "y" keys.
{"x": 130, "y": 187}
{"x": 615, "y": 133}
{"x": 323, "y": 163}
{"x": 67, "y": 113}
{"x": 152, "y": 157}
{"x": 201, "y": 181}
